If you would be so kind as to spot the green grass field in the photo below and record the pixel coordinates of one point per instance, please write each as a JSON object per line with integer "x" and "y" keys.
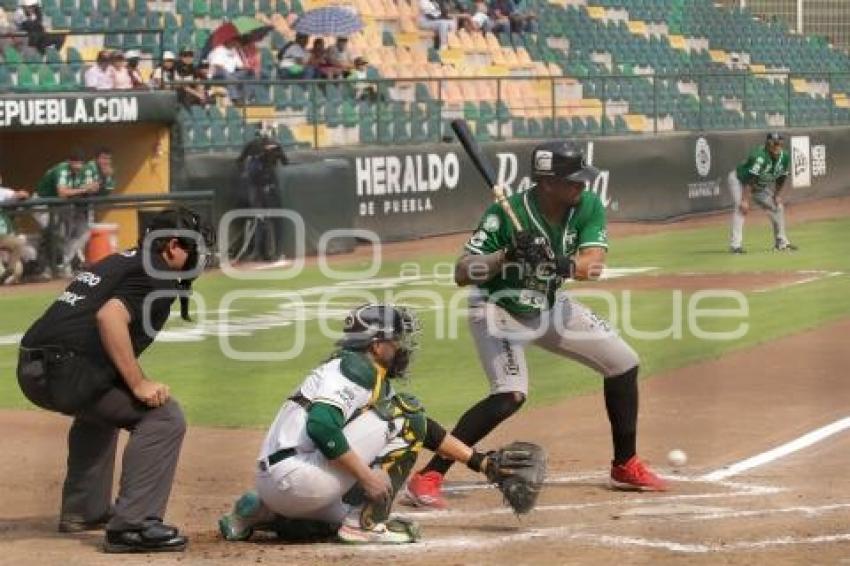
{"x": 217, "y": 390}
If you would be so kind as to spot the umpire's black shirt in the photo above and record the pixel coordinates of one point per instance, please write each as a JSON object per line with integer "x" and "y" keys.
{"x": 70, "y": 321}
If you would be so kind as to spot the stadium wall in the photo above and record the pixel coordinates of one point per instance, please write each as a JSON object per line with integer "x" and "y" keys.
{"x": 409, "y": 192}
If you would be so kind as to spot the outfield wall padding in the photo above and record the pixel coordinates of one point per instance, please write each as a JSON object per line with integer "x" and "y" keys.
{"x": 408, "y": 192}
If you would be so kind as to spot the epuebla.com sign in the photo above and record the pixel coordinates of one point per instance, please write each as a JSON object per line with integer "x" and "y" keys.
{"x": 25, "y": 112}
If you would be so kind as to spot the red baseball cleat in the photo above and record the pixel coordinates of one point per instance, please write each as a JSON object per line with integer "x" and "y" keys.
{"x": 425, "y": 490}
{"x": 635, "y": 476}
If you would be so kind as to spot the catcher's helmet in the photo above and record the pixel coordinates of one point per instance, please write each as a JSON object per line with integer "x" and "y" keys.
{"x": 774, "y": 137}
{"x": 375, "y": 322}
{"x": 563, "y": 160}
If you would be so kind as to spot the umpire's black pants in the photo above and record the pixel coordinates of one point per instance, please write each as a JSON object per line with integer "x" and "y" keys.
{"x": 150, "y": 457}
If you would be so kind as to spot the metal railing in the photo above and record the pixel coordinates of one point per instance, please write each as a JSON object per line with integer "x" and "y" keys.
{"x": 415, "y": 110}
{"x": 51, "y": 207}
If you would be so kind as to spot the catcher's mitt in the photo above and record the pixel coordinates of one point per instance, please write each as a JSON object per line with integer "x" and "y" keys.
{"x": 518, "y": 469}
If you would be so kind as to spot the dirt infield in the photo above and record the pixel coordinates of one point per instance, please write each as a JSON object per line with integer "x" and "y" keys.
{"x": 792, "y": 510}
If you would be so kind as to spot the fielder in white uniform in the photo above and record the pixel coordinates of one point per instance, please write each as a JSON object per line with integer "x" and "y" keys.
{"x": 344, "y": 442}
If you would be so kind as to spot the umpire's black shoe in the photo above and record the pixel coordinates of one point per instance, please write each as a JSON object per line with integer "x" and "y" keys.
{"x": 155, "y": 537}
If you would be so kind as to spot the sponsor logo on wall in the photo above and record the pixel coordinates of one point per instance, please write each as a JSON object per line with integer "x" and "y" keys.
{"x": 801, "y": 170}
{"x": 808, "y": 161}
{"x": 392, "y": 184}
{"x": 705, "y": 187}
{"x": 58, "y": 111}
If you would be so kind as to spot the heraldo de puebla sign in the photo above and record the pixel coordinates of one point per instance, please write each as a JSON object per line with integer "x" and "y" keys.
{"x": 84, "y": 109}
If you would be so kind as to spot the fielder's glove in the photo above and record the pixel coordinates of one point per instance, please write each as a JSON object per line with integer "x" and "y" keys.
{"x": 529, "y": 249}
{"x": 519, "y": 470}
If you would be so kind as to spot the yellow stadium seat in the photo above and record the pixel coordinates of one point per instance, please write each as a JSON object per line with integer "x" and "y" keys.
{"x": 479, "y": 43}
{"x": 677, "y": 41}
{"x": 596, "y": 12}
{"x": 454, "y": 41}
{"x": 465, "y": 40}
{"x": 717, "y": 55}
{"x": 403, "y": 56}
{"x": 390, "y": 9}
{"x": 637, "y": 27}
{"x": 636, "y": 122}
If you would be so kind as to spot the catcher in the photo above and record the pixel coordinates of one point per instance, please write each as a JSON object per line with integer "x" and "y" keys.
{"x": 344, "y": 442}
{"x": 516, "y": 301}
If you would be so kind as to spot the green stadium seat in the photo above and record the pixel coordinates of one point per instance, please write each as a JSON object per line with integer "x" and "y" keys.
{"x": 200, "y": 8}
{"x": 5, "y": 79}
{"x": 217, "y": 9}
{"x": 25, "y": 79}
{"x": 46, "y": 78}
{"x": 68, "y": 79}
{"x": 249, "y": 8}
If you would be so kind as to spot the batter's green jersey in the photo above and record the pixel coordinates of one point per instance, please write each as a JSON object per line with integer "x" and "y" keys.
{"x": 761, "y": 169}
{"x": 520, "y": 292}
{"x": 61, "y": 175}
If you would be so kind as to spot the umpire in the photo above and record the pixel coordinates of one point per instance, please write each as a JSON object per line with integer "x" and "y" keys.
{"x": 80, "y": 359}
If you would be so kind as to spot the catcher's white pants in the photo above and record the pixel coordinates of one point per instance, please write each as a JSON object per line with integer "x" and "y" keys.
{"x": 568, "y": 329}
{"x": 765, "y": 199}
{"x": 308, "y": 486}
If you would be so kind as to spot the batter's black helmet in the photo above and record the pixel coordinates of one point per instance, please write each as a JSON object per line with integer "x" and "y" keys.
{"x": 774, "y": 137}
{"x": 375, "y": 322}
{"x": 562, "y": 160}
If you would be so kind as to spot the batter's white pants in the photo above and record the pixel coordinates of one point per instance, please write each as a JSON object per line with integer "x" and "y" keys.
{"x": 765, "y": 199}
{"x": 308, "y": 486}
{"x": 568, "y": 329}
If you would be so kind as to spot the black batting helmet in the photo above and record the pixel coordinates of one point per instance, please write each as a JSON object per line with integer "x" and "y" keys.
{"x": 774, "y": 137}
{"x": 561, "y": 160}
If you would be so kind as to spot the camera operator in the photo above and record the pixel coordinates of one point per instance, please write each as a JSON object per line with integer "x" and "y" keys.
{"x": 257, "y": 164}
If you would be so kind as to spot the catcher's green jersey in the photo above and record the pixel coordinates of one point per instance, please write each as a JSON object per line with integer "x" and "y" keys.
{"x": 520, "y": 292}
{"x": 762, "y": 168}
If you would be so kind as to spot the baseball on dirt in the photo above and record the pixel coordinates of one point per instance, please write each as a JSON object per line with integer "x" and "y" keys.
{"x": 677, "y": 457}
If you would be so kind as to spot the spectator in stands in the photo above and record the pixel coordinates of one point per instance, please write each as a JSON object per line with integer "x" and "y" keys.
{"x": 99, "y": 76}
{"x": 318, "y": 60}
{"x": 133, "y": 56}
{"x": 340, "y": 59}
{"x": 508, "y": 18}
{"x": 292, "y": 58}
{"x": 202, "y": 73}
{"x": 163, "y": 76}
{"x": 189, "y": 92}
{"x": 28, "y": 19}
{"x": 433, "y": 16}
{"x": 226, "y": 64}
{"x": 360, "y": 72}
{"x": 69, "y": 179}
{"x": 479, "y": 20}
{"x": 121, "y": 79}
{"x": 12, "y": 246}
{"x": 526, "y": 18}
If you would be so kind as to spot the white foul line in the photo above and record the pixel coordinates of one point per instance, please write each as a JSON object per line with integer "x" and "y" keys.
{"x": 780, "y": 451}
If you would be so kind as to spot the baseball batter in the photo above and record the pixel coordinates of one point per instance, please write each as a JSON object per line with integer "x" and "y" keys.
{"x": 344, "y": 442}
{"x": 516, "y": 302}
{"x": 761, "y": 177}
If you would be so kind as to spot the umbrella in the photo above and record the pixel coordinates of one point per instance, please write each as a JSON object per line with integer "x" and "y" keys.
{"x": 222, "y": 34}
{"x": 332, "y": 20}
{"x": 251, "y": 29}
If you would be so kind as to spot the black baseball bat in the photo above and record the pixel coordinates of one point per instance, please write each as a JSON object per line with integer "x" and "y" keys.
{"x": 473, "y": 150}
